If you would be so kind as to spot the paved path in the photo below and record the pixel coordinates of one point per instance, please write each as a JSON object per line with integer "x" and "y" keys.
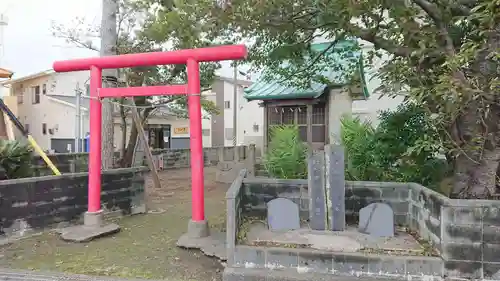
{"x": 24, "y": 275}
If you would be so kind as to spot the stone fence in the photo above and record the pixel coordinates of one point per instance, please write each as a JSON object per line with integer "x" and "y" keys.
{"x": 465, "y": 232}
{"x": 181, "y": 158}
{"x": 166, "y": 159}
{"x": 36, "y": 203}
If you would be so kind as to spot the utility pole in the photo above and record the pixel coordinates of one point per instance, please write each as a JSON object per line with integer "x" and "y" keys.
{"x": 3, "y": 24}
{"x": 78, "y": 118}
{"x": 235, "y": 105}
{"x": 109, "y": 38}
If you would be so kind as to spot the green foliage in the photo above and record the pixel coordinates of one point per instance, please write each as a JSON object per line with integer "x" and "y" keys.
{"x": 15, "y": 159}
{"x": 402, "y": 148}
{"x": 286, "y": 156}
{"x": 444, "y": 55}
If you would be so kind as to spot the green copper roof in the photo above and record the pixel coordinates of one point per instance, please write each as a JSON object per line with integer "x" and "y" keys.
{"x": 339, "y": 60}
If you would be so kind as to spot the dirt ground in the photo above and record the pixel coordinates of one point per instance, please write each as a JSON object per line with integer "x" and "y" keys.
{"x": 145, "y": 247}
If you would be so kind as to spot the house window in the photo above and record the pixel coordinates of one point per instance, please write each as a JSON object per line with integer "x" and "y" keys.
{"x": 20, "y": 99}
{"x": 297, "y": 115}
{"x": 229, "y": 133}
{"x": 227, "y": 104}
{"x": 44, "y": 128}
{"x": 256, "y": 128}
{"x": 44, "y": 89}
{"x": 36, "y": 94}
{"x": 27, "y": 128}
{"x": 318, "y": 124}
{"x": 205, "y": 132}
{"x": 302, "y": 122}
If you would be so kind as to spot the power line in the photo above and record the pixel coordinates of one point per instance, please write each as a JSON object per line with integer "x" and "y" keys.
{"x": 131, "y": 106}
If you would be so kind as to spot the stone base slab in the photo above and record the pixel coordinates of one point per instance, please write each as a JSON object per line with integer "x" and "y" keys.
{"x": 86, "y": 233}
{"x": 212, "y": 246}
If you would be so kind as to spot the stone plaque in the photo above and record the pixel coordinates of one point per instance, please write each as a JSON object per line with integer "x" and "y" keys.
{"x": 282, "y": 215}
{"x": 377, "y": 219}
{"x": 316, "y": 190}
{"x": 335, "y": 186}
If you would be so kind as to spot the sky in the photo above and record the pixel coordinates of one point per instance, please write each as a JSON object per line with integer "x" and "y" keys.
{"x": 28, "y": 44}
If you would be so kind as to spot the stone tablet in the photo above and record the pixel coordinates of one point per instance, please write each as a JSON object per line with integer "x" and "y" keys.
{"x": 282, "y": 215}
{"x": 377, "y": 219}
{"x": 316, "y": 191}
{"x": 335, "y": 186}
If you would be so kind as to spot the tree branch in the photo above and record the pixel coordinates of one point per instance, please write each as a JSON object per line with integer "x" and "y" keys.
{"x": 431, "y": 9}
{"x": 378, "y": 42}
{"x": 434, "y": 13}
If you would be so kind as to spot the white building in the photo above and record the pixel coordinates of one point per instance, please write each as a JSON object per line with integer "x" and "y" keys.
{"x": 249, "y": 115}
{"x": 368, "y": 110}
{"x": 45, "y": 103}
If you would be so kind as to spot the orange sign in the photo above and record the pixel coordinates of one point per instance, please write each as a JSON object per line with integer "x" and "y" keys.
{"x": 181, "y": 131}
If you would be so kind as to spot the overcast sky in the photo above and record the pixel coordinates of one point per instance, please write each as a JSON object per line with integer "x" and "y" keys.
{"x": 29, "y": 45}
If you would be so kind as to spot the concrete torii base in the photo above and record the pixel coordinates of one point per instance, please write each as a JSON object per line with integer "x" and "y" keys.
{"x": 93, "y": 227}
{"x": 198, "y": 236}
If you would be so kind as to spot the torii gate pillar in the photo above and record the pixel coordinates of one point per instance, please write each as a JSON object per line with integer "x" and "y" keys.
{"x": 93, "y": 225}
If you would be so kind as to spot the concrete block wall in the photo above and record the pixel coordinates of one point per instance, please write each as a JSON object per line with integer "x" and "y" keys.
{"x": 258, "y": 191}
{"x": 465, "y": 232}
{"x": 65, "y": 162}
{"x": 471, "y": 238}
{"x": 359, "y": 194}
{"x": 234, "y": 209}
{"x": 424, "y": 216}
{"x": 303, "y": 261}
{"x": 172, "y": 159}
{"x": 41, "y": 202}
{"x": 181, "y": 158}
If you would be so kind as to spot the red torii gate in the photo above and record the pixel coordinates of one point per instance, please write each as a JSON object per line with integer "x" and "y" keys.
{"x": 190, "y": 57}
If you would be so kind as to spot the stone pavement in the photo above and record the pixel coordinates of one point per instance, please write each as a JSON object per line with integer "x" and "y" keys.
{"x": 26, "y": 275}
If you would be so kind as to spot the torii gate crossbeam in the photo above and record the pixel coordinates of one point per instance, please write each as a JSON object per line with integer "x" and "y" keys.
{"x": 190, "y": 57}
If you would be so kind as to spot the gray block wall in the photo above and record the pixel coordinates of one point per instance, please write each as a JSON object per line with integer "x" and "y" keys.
{"x": 471, "y": 238}
{"x": 258, "y": 191}
{"x": 172, "y": 159}
{"x": 466, "y": 233}
{"x": 234, "y": 210}
{"x": 181, "y": 158}
{"x": 424, "y": 216}
{"x": 41, "y": 202}
{"x": 301, "y": 261}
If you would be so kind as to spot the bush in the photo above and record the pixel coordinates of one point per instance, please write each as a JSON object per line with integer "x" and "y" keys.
{"x": 402, "y": 148}
{"x": 286, "y": 156}
{"x": 15, "y": 159}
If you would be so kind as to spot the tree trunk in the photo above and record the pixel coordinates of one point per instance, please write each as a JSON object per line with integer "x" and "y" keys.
{"x": 109, "y": 38}
{"x": 476, "y": 164}
{"x": 123, "y": 120}
{"x": 476, "y": 170}
{"x": 134, "y": 133}
{"x": 476, "y": 180}
{"x": 132, "y": 141}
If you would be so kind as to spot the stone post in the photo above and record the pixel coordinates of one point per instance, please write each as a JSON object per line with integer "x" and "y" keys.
{"x": 236, "y": 153}
{"x": 251, "y": 160}
{"x": 335, "y": 186}
{"x": 72, "y": 166}
{"x": 220, "y": 154}
{"x": 316, "y": 190}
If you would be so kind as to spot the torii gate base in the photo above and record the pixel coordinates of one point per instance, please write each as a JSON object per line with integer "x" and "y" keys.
{"x": 93, "y": 226}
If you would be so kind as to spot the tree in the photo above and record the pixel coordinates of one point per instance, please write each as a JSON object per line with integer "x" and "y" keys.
{"x": 443, "y": 53}
{"x": 136, "y": 34}
{"x": 109, "y": 41}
